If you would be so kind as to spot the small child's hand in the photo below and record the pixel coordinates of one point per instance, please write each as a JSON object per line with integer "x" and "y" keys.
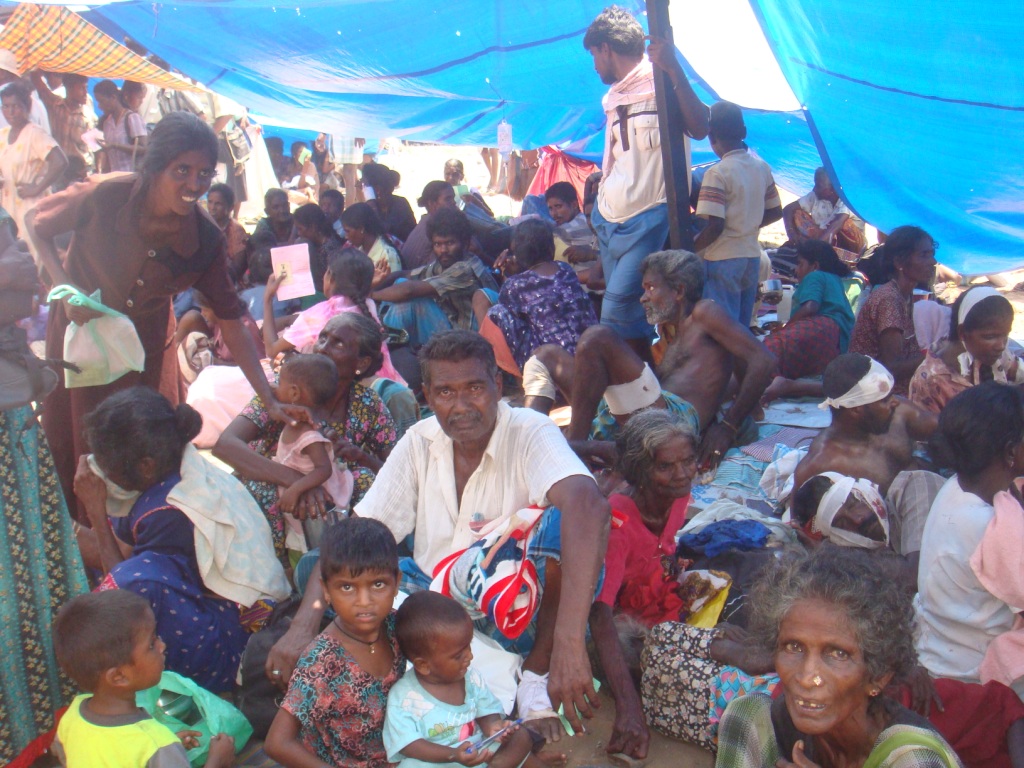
{"x": 288, "y": 500}
{"x": 189, "y": 739}
{"x": 273, "y": 283}
{"x": 499, "y": 725}
{"x": 464, "y": 757}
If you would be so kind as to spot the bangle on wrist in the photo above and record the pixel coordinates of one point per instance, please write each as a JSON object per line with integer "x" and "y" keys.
{"x": 725, "y": 423}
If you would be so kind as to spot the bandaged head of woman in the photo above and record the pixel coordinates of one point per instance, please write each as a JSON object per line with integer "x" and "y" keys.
{"x": 873, "y": 386}
{"x": 973, "y": 298}
{"x": 849, "y": 489}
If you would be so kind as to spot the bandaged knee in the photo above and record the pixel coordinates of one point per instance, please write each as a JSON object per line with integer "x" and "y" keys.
{"x": 537, "y": 381}
{"x": 642, "y": 392}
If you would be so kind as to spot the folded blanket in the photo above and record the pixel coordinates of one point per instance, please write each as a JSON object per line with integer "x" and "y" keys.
{"x": 725, "y": 535}
{"x": 781, "y": 533}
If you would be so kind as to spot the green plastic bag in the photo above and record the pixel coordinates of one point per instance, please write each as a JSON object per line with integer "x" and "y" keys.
{"x": 181, "y": 705}
{"x": 105, "y": 348}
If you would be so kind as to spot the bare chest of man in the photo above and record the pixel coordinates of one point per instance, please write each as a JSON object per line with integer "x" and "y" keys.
{"x": 697, "y": 369}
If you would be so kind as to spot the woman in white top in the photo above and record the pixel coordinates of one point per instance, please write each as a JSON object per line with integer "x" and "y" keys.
{"x": 981, "y": 436}
{"x": 124, "y": 133}
{"x": 365, "y": 231}
{"x": 30, "y": 160}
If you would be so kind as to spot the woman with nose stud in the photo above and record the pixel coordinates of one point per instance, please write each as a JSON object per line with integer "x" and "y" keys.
{"x": 139, "y": 239}
{"x": 840, "y": 632}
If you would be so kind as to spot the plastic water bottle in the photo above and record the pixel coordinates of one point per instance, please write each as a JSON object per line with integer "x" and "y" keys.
{"x": 785, "y": 307}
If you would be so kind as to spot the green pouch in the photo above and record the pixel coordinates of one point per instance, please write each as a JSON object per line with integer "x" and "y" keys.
{"x": 105, "y": 348}
{"x": 181, "y": 705}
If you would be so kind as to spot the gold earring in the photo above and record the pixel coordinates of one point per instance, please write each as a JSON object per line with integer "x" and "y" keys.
{"x": 875, "y": 692}
{"x": 817, "y": 681}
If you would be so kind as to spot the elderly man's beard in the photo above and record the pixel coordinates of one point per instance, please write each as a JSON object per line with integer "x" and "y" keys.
{"x": 661, "y": 314}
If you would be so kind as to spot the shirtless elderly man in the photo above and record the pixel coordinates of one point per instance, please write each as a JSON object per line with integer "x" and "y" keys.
{"x": 872, "y": 436}
{"x": 700, "y": 347}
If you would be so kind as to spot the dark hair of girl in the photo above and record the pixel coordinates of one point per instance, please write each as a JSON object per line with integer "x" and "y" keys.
{"x": 355, "y": 269}
{"x": 381, "y": 178}
{"x": 533, "y": 243}
{"x": 312, "y": 215}
{"x": 140, "y": 423}
{"x": 129, "y": 89}
{"x": 362, "y": 216}
{"x": 978, "y": 427}
{"x": 175, "y": 134}
{"x": 987, "y": 311}
{"x": 358, "y": 545}
{"x": 824, "y": 255}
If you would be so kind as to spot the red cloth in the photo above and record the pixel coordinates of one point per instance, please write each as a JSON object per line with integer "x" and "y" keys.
{"x": 806, "y": 347}
{"x": 555, "y": 166}
{"x": 975, "y": 720}
{"x": 37, "y": 747}
{"x": 634, "y": 574}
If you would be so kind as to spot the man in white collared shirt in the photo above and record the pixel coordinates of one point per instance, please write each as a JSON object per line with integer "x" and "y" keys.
{"x": 475, "y": 461}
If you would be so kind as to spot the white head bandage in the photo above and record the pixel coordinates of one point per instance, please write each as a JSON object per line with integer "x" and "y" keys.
{"x": 968, "y": 369}
{"x": 833, "y": 501}
{"x": 875, "y": 385}
{"x": 971, "y": 299}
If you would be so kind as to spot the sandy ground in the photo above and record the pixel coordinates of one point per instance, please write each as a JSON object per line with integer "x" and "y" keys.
{"x": 589, "y": 749}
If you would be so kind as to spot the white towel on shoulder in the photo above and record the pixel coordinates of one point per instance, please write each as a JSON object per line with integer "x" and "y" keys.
{"x": 234, "y": 548}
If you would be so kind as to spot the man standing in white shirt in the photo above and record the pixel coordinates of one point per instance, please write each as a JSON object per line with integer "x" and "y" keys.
{"x": 631, "y": 215}
{"x": 737, "y": 198}
{"x": 477, "y": 461}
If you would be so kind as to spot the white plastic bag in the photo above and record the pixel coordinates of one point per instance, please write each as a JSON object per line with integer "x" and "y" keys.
{"x": 105, "y": 348}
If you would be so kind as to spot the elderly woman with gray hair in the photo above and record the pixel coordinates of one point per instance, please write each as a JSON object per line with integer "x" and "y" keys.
{"x": 658, "y": 459}
{"x": 839, "y": 632}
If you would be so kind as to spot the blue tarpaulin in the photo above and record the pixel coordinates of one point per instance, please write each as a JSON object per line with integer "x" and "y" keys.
{"x": 918, "y": 114}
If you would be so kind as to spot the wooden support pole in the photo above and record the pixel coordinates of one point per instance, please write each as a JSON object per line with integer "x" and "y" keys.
{"x": 671, "y": 125}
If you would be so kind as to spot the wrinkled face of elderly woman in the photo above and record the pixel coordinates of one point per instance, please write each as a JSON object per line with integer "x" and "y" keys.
{"x": 673, "y": 467}
{"x": 820, "y": 663}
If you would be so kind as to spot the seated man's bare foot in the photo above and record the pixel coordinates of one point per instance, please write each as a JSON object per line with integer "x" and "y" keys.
{"x": 550, "y": 759}
{"x": 778, "y": 388}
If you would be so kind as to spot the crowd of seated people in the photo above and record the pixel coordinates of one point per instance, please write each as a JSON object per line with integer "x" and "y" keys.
{"x": 394, "y": 432}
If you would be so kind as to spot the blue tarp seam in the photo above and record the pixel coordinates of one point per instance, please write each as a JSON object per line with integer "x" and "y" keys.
{"x": 469, "y": 123}
{"x": 470, "y": 57}
{"x": 914, "y": 94}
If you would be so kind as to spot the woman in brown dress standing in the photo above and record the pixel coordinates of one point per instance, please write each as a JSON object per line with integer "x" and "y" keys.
{"x": 140, "y": 239}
